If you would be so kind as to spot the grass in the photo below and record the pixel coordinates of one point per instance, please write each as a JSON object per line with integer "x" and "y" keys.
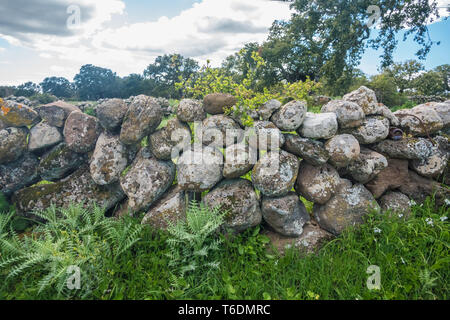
{"x": 413, "y": 256}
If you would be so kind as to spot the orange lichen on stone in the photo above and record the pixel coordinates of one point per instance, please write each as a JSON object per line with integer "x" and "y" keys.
{"x": 5, "y": 110}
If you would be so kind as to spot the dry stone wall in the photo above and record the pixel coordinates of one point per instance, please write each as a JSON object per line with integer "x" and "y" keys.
{"x": 353, "y": 157}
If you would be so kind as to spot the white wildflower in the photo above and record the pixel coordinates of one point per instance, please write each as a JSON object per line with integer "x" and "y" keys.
{"x": 377, "y": 230}
{"x": 403, "y": 260}
{"x": 412, "y": 203}
{"x": 447, "y": 202}
{"x": 444, "y": 218}
{"x": 400, "y": 215}
{"x": 429, "y": 221}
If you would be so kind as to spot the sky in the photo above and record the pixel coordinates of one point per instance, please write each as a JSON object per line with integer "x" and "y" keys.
{"x": 44, "y": 38}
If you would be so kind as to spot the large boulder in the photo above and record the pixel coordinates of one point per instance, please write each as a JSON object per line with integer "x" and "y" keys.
{"x": 264, "y": 136}
{"x": 240, "y": 201}
{"x": 190, "y": 110}
{"x": 432, "y": 166}
{"x": 219, "y": 131}
{"x": 317, "y": 184}
{"x": 147, "y": 180}
{"x": 43, "y": 136}
{"x": 3, "y": 125}
{"x": 373, "y": 130}
{"x": 216, "y": 103}
{"x": 56, "y": 113}
{"x": 267, "y": 109}
{"x": 392, "y": 177}
{"x": 395, "y": 202}
{"x": 78, "y": 188}
{"x": 290, "y": 116}
{"x": 319, "y": 126}
{"x": 419, "y": 188}
{"x": 163, "y": 142}
{"x": 17, "y": 115}
{"x": 310, "y": 150}
{"x": 346, "y": 208}
{"x": 342, "y": 149}
{"x": 13, "y": 144}
{"x": 443, "y": 111}
{"x": 59, "y": 162}
{"x": 286, "y": 215}
{"x": 111, "y": 112}
{"x": 365, "y": 98}
{"x": 239, "y": 159}
{"x": 422, "y": 120}
{"x": 368, "y": 165}
{"x": 200, "y": 168}
{"x": 409, "y": 148}
{"x": 81, "y": 132}
{"x": 18, "y": 174}
{"x": 275, "y": 173}
{"x": 109, "y": 160}
{"x": 349, "y": 114}
{"x": 168, "y": 210}
{"x": 385, "y": 112}
{"x": 142, "y": 118}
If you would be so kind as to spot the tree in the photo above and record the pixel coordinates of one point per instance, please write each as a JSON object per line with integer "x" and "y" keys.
{"x": 95, "y": 83}
{"x": 325, "y": 38}
{"x": 27, "y": 89}
{"x": 57, "y": 86}
{"x": 430, "y": 83}
{"x": 168, "y": 70}
{"x": 444, "y": 70}
{"x": 386, "y": 90}
{"x": 6, "y": 91}
{"x": 403, "y": 74}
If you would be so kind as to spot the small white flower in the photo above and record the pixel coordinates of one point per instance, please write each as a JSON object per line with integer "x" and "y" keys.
{"x": 444, "y": 218}
{"x": 377, "y": 230}
{"x": 400, "y": 215}
{"x": 429, "y": 221}
{"x": 412, "y": 203}
{"x": 403, "y": 261}
{"x": 447, "y": 202}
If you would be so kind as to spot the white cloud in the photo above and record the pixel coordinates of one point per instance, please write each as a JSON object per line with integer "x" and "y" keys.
{"x": 2, "y": 49}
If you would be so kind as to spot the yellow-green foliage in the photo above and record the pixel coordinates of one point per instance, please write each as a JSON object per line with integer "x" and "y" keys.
{"x": 214, "y": 80}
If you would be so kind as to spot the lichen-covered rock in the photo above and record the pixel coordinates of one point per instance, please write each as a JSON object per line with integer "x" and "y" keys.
{"x": 368, "y": 165}
{"x": 312, "y": 151}
{"x": 342, "y": 149}
{"x": 310, "y": 241}
{"x": 275, "y": 173}
{"x": 242, "y": 118}
{"x": 443, "y": 111}
{"x": 200, "y": 168}
{"x": 110, "y": 113}
{"x": 18, "y": 174}
{"x": 43, "y": 136}
{"x": 190, "y": 110}
{"x": 81, "y": 132}
{"x": 264, "y": 136}
{"x": 13, "y": 144}
{"x": 56, "y": 113}
{"x": 17, "y": 115}
{"x": 109, "y": 160}
{"x": 216, "y": 103}
{"x": 385, "y": 112}
{"x": 429, "y": 122}
{"x": 78, "y": 188}
{"x": 146, "y": 180}
{"x": 409, "y": 148}
{"x": 373, "y": 130}
{"x": 168, "y": 210}
{"x": 349, "y": 114}
{"x": 317, "y": 184}
{"x": 395, "y": 202}
{"x": 267, "y": 109}
{"x": 59, "y": 162}
{"x": 365, "y": 98}
{"x": 419, "y": 188}
{"x": 174, "y": 134}
{"x": 142, "y": 118}
{"x": 432, "y": 166}
{"x": 3, "y": 125}
{"x": 286, "y": 215}
{"x": 239, "y": 159}
{"x": 239, "y": 199}
{"x": 390, "y": 178}
{"x": 346, "y": 208}
{"x": 219, "y": 131}
{"x": 319, "y": 126}
{"x": 290, "y": 116}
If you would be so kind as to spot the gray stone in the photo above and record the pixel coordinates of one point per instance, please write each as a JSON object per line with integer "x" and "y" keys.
{"x": 43, "y": 136}
{"x": 81, "y": 132}
{"x": 264, "y": 136}
{"x": 17, "y": 115}
{"x": 365, "y": 98}
{"x": 239, "y": 159}
{"x": 429, "y": 122}
{"x": 286, "y": 215}
{"x": 443, "y": 111}
{"x": 392, "y": 177}
{"x": 275, "y": 173}
{"x": 317, "y": 184}
{"x": 373, "y": 130}
{"x": 18, "y": 174}
{"x": 240, "y": 201}
{"x": 146, "y": 180}
{"x": 267, "y": 109}
{"x": 290, "y": 116}
{"x": 409, "y": 148}
{"x": 219, "y": 131}
{"x": 309, "y": 150}
{"x": 342, "y": 149}
{"x": 368, "y": 165}
{"x": 349, "y": 114}
{"x": 13, "y": 144}
{"x": 111, "y": 114}
{"x": 319, "y": 126}
{"x": 190, "y": 110}
{"x": 216, "y": 103}
{"x": 142, "y": 118}
{"x": 167, "y": 142}
{"x": 56, "y": 113}
{"x": 432, "y": 166}
{"x": 396, "y": 202}
{"x": 59, "y": 162}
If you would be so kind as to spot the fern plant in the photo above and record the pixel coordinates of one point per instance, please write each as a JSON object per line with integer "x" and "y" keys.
{"x": 74, "y": 236}
{"x": 193, "y": 241}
